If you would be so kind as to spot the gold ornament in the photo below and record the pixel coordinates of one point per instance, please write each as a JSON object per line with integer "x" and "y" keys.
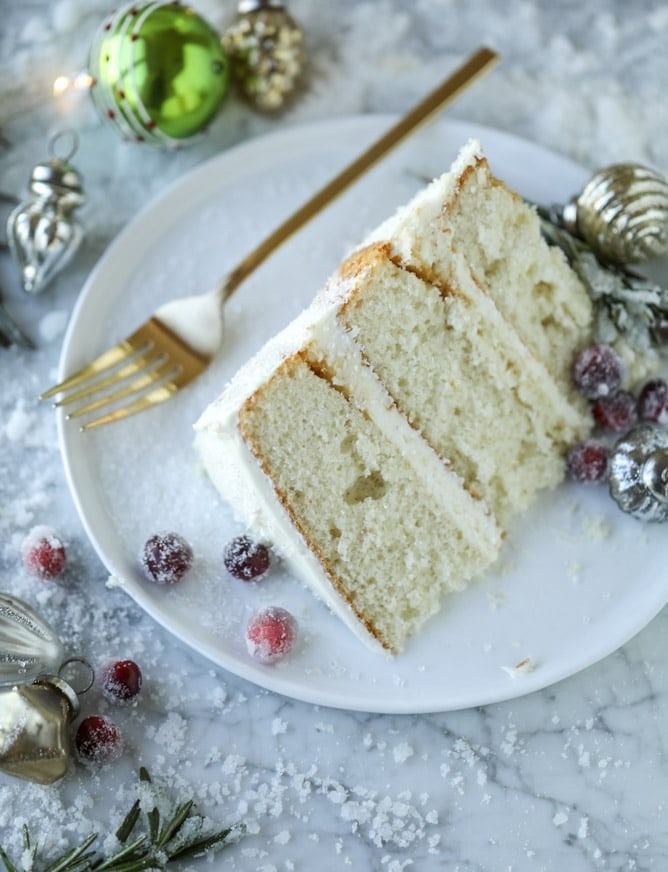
{"x": 265, "y": 47}
{"x": 34, "y": 729}
{"x": 36, "y": 706}
{"x": 622, "y": 213}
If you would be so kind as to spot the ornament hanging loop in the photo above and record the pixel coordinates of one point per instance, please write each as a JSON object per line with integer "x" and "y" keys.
{"x": 84, "y": 675}
{"x": 64, "y": 136}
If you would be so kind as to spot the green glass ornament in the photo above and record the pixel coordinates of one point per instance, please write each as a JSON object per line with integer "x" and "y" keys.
{"x": 159, "y": 72}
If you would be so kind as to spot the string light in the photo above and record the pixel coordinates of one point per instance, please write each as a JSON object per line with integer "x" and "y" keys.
{"x": 63, "y": 84}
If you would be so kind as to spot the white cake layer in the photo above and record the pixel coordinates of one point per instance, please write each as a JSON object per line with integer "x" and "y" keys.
{"x": 236, "y": 473}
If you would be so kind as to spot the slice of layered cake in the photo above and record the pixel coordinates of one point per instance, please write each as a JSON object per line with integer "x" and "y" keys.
{"x": 382, "y": 441}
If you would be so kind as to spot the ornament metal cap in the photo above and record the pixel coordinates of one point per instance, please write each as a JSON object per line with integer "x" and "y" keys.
{"x": 59, "y": 684}
{"x": 245, "y": 6}
{"x": 57, "y": 173}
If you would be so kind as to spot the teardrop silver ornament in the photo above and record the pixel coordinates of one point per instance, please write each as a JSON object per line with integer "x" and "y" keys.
{"x": 638, "y": 473}
{"x": 42, "y": 232}
{"x": 29, "y": 646}
{"x": 622, "y": 213}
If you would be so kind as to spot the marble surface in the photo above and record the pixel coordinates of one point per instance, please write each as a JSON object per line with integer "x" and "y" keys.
{"x": 573, "y": 777}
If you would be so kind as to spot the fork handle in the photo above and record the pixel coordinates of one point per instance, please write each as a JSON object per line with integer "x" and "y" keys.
{"x": 474, "y": 67}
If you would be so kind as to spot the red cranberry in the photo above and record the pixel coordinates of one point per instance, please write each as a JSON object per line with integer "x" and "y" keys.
{"x": 598, "y": 371}
{"x": 270, "y": 634}
{"x": 43, "y": 553}
{"x": 653, "y": 402}
{"x": 98, "y": 740}
{"x": 120, "y": 680}
{"x": 617, "y": 412}
{"x": 166, "y": 558}
{"x": 587, "y": 462}
{"x": 246, "y": 559}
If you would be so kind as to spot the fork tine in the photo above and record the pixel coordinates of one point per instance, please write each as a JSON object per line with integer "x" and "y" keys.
{"x": 137, "y": 364}
{"x": 158, "y": 395}
{"x": 111, "y": 357}
{"x": 146, "y": 379}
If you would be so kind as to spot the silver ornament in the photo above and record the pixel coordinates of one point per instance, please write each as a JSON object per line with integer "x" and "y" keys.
{"x": 622, "y": 213}
{"x": 42, "y": 232}
{"x": 28, "y": 645}
{"x": 638, "y": 473}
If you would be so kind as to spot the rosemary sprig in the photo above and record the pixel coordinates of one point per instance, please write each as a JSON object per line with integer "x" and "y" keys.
{"x": 151, "y": 850}
{"x": 627, "y": 305}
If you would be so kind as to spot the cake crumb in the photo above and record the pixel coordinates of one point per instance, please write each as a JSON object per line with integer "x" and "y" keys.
{"x": 523, "y": 667}
{"x": 597, "y": 528}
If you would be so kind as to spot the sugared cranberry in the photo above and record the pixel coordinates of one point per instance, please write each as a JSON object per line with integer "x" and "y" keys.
{"x": 653, "y": 402}
{"x": 43, "y": 553}
{"x": 120, "y": 680}
{"x": 166, "y": 558}
{"x": 617, "y": 412}
{"x": 270, "y": 634}
{"x": 98, "y": 740}
{"x": 587, "y": 462}
{"x": 598, "y": 371}
{"x": 246, "y": 559}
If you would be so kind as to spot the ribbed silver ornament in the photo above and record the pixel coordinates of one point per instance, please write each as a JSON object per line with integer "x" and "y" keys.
{"x": 28, "y": 645}
{"x": 638, "y": 473}
{"x": 622, "y": 213}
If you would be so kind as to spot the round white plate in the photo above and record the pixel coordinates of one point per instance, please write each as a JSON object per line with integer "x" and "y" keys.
{"x": 577, "y": 577}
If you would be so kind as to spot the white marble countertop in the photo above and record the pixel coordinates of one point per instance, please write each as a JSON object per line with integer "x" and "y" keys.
{"x": 574, "y": 777}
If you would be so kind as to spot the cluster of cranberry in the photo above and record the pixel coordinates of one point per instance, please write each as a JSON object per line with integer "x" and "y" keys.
{"x": 271, "y": 632}
{"x": 97, "y": 739}
{"x": 598, "y": 372}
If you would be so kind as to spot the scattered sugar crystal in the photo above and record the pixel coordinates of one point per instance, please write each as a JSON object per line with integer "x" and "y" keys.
{"x": 559, "y": 819}
{"x": 171, "y": 734}
{"x": 283, "y": 837}
{"x": 52, "y": 325}
{"x": 402, "y": 752}
{"x": 583, "y": 829}
{"x": 278, "y": 727}
{"x": 19, "y": 423}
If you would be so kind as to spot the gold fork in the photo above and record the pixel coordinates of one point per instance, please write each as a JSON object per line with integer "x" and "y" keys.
{"x": 182, "y": 337}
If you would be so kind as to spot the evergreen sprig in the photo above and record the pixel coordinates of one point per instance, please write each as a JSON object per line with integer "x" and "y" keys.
{"x": 164, "y": 841}
{"x": 626, "y": 304}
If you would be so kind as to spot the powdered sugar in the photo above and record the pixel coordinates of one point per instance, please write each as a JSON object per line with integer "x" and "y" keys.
{"x": 587, "y": 81}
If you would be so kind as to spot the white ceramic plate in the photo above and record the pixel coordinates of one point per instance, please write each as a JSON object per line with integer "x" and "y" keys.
{"x": 577, "y": 578}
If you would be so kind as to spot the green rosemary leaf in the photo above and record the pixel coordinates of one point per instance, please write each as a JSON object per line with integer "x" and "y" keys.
{"x": 123, "y": 832}
{"x": 153, "y": 824}
{"x": 152, "y": 851}
{"x": 175, "y": 824}
{"x": 66, "y": 863}
{"x": 140, "y": 844}
{"x": 137, "y": 865}
{"x": 9, "y": 866}
{"x": 211, "y": 843}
